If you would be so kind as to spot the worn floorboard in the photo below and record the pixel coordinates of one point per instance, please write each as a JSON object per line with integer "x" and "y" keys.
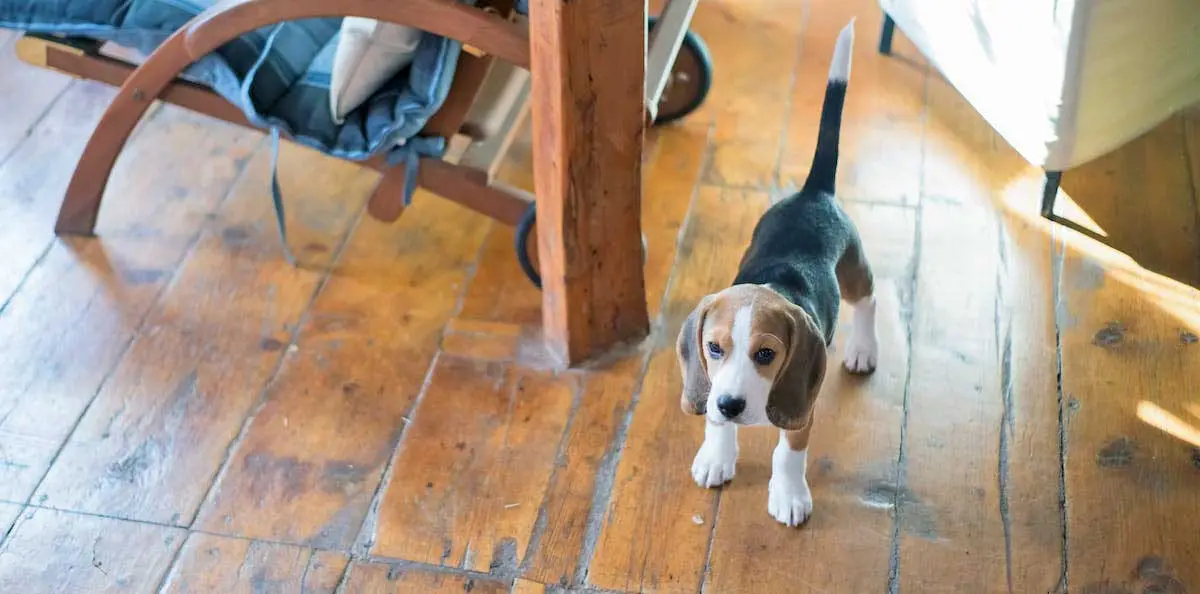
{"x": 183, "y": 412}
{"x": 152, "y": 442}
{"x": 298, "y": 475}
{"x": 453, "y": 499}
{"x": 209, "y": 563}
{"x": 1131, "y": 380}
{"x": 26, "y": 92}
{"x": 8, "y": 515}
{"x": 975, "y": 511}
{"x": 1130, "y": 361}
{"x": 35, "y": 176}
{"x": 748, "y": 114}
{"x": 52, "y": 551}
{"x": 85, "y": 301}
{"x": 649, "y": 539}
{"x": 381, "y": 578}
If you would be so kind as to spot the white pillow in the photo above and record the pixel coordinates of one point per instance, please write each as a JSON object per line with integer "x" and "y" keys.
{"x": 369, "y": 53}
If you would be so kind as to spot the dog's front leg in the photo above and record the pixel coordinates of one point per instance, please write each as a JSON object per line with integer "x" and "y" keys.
{"x": 789, "y": 499}
{"x": 716, "y": 461}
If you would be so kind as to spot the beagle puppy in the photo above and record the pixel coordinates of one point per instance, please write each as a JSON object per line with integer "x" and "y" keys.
{"x": 754, "y": 353}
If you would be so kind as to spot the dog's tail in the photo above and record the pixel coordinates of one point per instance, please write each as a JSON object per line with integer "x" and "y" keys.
{"x": 823, "y": 173}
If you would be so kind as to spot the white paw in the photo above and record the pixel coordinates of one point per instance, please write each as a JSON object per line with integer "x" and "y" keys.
{"x": 862, "y": 348}
{"x": 714, "y": 464}
{"x": 862, "y": 353}
{"x": 789, "y": 501}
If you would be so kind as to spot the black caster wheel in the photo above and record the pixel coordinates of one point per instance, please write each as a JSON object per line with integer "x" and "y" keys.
{"x": 525, "y": 251}
{"x": 690, "y": 80}
{"x": 524, "y": 258}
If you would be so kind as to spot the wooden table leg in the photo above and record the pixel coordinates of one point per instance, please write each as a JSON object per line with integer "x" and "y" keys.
{"x": 588, "y": 67}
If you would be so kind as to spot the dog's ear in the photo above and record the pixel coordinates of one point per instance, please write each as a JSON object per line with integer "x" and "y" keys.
{"x": 799, "y": 381}
{"x": 692, "y": 363}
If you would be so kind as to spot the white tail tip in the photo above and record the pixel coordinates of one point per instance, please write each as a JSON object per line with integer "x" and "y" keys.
{"x": 839, "y": 68}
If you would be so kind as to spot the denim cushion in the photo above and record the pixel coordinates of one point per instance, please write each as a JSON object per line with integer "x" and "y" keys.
{"x": 279, "y": 75}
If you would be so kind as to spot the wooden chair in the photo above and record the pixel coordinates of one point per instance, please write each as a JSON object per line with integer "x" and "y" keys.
{"x": 594, "y": 292}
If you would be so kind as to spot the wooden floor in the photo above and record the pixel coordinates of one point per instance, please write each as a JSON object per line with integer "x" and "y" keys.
{"x": 181, "y": 411}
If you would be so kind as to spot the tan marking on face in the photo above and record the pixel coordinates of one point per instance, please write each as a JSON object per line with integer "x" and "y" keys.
{"x": 770, "y": 330}
{"x": 718, "y": 327}
{"x": 744, "y": 321}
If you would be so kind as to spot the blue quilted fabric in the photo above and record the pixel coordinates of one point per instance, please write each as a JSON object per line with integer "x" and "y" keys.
{"x": 279, "y": 76}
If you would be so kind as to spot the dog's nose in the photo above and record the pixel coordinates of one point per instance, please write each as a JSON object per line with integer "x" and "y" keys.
{"x": 731, "y": 406}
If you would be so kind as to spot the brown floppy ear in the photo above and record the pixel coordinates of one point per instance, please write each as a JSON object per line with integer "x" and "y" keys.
{"x": 799, "y": 381}
{"x": 692, "y": 363}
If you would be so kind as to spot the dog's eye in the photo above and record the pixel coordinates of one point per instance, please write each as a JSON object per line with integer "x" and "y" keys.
{"x": 714, "y": 350}
{"x": 764, "y": 356}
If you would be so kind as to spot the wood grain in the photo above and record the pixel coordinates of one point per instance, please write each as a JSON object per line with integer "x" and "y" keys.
{"x": 978, "y": 509}
{"x": 587, "y": 78}
{"x": 673, "y": 170}
{"x": 596, "y": 514}
{"x": 1142, "y": 197}
{"x": 648, "y": 540}
{"x": 1030, "y": 435}
{"x": 50, "y": 551}
{"x": 35, "y": 176}
{"x": 453, "y": 499}
{"x": 150, "y": 445}
{"x": 29, "y": 93}
{"x": 883, "y": 117}
{"x": 527, "y": 587}
{"x": 114, "y": 64}
{"x": 1127, "y": 322}
{"x": 363, "y": 354}
{"x": 85, "y": 300}
{"x": 1191, "y": 129}
{"x": 210, "y": 563}
{"x": 380, "y": 578}
{"x": 485, "y": 341}
{"x": 952, "y": 527}
{"x": 570, "y": 499}
{"x": 846, "y": 545}
{"x": 1128, "y": 342}
{"x": 672, "y": 177}
{"x": 499, "y": 291}
{"x": 81, "y": 203}
{"x": 8, "y": 515}
{"x": 751, "y": 94}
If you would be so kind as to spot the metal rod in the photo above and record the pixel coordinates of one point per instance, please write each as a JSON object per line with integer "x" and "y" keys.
{"x": 1050, "y": 192}
{"x": 885, "y": 35}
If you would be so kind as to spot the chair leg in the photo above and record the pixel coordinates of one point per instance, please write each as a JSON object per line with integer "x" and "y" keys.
{"x": 387, "y": 201}
{"x": 885, "y": 35}
{"x": 81, "y": 205}
{"x": 1050, "y": 192}
{"x": 588, "y": 177}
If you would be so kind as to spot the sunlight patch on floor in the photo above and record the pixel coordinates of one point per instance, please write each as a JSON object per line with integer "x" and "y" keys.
{"x": 1161, "y": 419}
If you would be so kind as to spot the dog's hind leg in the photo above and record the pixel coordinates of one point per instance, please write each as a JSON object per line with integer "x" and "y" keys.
{"x": 857, "y": 284}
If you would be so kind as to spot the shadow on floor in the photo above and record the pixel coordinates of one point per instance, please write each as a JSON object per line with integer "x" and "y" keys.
{"x": 1143, "y": 199}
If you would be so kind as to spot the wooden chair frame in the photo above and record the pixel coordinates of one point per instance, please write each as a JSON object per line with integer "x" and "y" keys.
{"x": 587, "y": 176}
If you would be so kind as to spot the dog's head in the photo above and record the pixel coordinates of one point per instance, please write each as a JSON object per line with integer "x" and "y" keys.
{"x": 749, "y": 356}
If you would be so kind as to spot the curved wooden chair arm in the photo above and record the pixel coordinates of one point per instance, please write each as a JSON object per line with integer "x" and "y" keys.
{"x": 230, "y": 19}
{"x": 488, "y": 32}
